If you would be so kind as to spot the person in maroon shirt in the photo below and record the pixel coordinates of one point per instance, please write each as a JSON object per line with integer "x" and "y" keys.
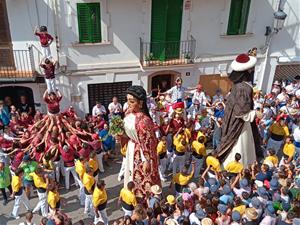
{"x": 49, "y": 71}
{"x": 68, "y": 156}
{"x": 45, "y": 40}
{"x": 85, "y": 150}
{"x": 52, "y": 101}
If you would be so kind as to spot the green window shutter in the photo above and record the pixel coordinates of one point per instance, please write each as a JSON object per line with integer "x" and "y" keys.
{"x": 89, "y": 22}
{"x": 174, "y": 20}
{"x": 244, "y": 16}
{"x": 158, "y": 28}
{"x": 95, "y": 22}
{"x": 234, "y": 17}
{"x": 238, "y": 17}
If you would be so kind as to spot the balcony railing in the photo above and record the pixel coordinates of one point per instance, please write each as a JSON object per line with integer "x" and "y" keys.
{"x": 18, "y": 66}
{"x": 167, "y": 53}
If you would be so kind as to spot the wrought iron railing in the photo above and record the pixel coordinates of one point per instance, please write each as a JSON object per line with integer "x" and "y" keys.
{"x": 20, "y": 64}
{"x": 167, "y": 53}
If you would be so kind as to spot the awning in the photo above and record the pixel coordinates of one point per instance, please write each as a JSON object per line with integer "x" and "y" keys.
{"x": 287, "y": 72}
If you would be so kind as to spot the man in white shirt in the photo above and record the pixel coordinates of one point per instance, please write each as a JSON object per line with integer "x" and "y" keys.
{"x": 115, "y": 108}
{"x": 98, "y": 109}
{"x": 199, "y": 95}
{"x": 177, "y": 92}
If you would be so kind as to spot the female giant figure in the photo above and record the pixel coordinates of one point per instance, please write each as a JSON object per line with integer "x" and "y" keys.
{"x": 141, "y": 165}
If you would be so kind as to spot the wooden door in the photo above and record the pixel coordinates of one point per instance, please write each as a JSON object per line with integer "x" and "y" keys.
{"x": 211, "y": 83}
{"x": 6, "y": 53}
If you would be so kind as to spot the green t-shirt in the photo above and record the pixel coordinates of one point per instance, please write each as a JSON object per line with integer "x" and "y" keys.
{"x": 29, "y": 168}
{"x": 295, "y": 193}
{"x": 4, "y": 177}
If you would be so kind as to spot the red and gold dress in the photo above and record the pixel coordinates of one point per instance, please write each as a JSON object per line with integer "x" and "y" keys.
{"x": 141, "y": 147}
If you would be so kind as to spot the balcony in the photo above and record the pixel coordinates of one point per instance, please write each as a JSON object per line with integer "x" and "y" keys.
{"x": 167, "y": 53}
{"x": 17, "y": 65}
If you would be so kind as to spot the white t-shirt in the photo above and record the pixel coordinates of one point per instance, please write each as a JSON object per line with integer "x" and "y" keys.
{"x": 177, "y": 93}
{"x": 115, "y": 108}
{"x": 200, "y": 96}
{"x": 101, "y": 110}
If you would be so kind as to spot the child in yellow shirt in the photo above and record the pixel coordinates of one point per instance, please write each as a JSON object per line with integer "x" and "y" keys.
{"x": 162, "y": 154}
{"x": 181, "y": 144}
{"x": 199, "y": 151}
{"x": 271, "y": 158}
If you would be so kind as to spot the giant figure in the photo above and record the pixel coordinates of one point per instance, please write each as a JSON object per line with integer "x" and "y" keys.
{"x": 239, "y": 131}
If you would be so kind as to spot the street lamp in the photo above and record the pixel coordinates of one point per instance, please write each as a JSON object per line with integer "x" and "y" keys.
{"x": 279, "y": 17}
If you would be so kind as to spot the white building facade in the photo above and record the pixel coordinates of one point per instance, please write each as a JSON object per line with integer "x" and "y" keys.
{"x": 103, "y": 46}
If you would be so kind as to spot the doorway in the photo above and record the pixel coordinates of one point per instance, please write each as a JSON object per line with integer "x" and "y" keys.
{"x": 161, "y": 82}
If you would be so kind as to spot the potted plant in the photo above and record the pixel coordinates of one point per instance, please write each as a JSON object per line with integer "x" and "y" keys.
{"x": 148, "y": 58}
{"x": 187, "y": 58}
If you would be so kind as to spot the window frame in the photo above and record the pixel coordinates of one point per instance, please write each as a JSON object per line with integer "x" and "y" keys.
{"x": 243, "y": 19}
{"x": 92, "y": 35}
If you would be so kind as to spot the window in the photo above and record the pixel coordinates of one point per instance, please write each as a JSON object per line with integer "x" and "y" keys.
{"x": 238, "y": 17}
{"x": 89, "y": 22}
{"x": 166, "y": 18}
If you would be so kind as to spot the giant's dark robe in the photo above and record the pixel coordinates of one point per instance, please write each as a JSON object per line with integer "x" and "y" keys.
{"x": 238, "y": 104}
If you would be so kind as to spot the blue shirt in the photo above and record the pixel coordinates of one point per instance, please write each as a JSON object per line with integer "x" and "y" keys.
{"x": 108, "y": 141}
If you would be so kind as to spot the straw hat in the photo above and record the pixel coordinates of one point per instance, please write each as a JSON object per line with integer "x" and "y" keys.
{"x": 155, "y": 189}
{"x": 206, "y": 221}
{"x": 171, "y": 221}
{"x": 251, "y": 213}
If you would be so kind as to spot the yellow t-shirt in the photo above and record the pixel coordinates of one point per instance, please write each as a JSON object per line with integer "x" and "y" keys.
{"x": 99, "y": 197}
{"x": 123, "y": 150}
{"x": 188, "y": 134}
{"x": 289, "y": 150}
{"x": 93, "y": 163}
{"x": 177, "y": 142}
{"x": 38, "y": 181}
{"x": 275, "y": 128}
{"x": 161, "y": 148}
{"x": 234, "y": 167}
{"x": 88, "y": 182}
{"x": 273, "y": 159}
{"x": 128, "y": 197}
{"x": 182, "y": 179}
{"x": 199, "y": 148}
{"x": 53, "y": 199}
{"x": 80, "y": 169}
{"x": 16, "y": 184}
{"x": 241, "y": 209}
{"x": 200, "y": 134}
{"x": 214, "y": 163}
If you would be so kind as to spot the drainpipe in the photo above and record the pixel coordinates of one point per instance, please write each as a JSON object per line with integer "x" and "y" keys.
{"x": 55, "y": 7}
{"x": 37, "y": 13}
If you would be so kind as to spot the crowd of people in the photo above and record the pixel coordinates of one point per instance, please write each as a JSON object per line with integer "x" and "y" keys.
{"x": 169, "y": 137}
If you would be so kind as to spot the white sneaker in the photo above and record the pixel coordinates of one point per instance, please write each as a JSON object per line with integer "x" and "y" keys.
{"x": 15, "y": 217}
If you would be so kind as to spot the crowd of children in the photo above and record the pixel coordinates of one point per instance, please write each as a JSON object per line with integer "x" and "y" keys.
{"x": 188, "y": 127}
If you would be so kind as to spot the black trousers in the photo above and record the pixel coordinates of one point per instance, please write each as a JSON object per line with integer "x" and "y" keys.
{"x": 4, "y": 192}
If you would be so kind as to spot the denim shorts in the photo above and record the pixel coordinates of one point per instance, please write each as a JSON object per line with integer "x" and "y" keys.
{"x": 27, "y": 183}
